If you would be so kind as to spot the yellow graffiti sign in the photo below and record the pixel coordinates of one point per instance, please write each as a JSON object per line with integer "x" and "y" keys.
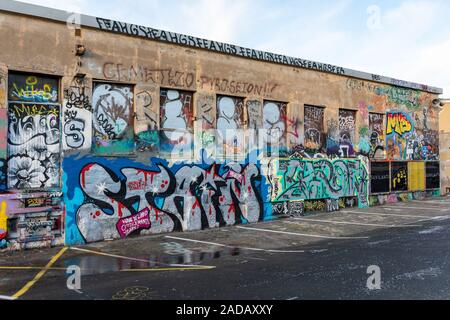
{"x": 398, "y": 123}
{"x": 3, "y": 220}
{"x": 416, "y": 176}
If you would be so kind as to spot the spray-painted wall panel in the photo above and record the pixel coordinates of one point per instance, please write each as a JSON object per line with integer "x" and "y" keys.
{"x": 77, "y": 115}
{"x": 31, "y": 220}
{"x": 113, "y": 114}
{"x": 119, "y": 198}
{"x": 314, "y": 129}
{"x": 319, "y": 179}
{"x": 32, "y": 88}
{"x": 177, "y": 122}
{"x": 33, "y": 146}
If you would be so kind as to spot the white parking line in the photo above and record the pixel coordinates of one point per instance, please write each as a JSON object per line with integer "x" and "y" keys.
{"x": 301, "y": 234}
{"x": 385, "y": 214}
{"x": 356, "y": 223}
{"x": 420, "y": 208}
{"x": 7, "y": 298}
{"x": 439, "y": 218}
{"x": 228, "y": 246}
{"x": 432, "y": 201}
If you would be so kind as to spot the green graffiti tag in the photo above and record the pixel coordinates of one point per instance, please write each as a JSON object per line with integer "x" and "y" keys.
{"x": 299, "y": 179}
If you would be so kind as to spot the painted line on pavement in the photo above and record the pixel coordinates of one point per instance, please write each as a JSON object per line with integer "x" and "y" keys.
{"x": 301, "y": 234}
{"x": 419, "y": 208}
{"x": 7, "y": 298}
{"x": 41, "y": 273}
{"x": 355, "y": 223}
{"x": 92, "y": 269}
{"x": 432, "y": 201}
{"x": 228, "y": 246}
{"x": 385, "y": 214}
{"x": 27, "y": 268}
{"x": 200, "y": 268}
{"x": 127, "y": 258}
{"x": 435, "y": 218}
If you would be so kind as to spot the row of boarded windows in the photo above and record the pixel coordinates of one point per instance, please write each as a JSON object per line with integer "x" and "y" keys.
{"x": 400, "y": 176}
{"x": 34, "y": 131}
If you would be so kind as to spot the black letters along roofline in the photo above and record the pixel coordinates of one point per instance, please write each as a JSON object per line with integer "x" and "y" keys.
{"x": 190, "y": 41}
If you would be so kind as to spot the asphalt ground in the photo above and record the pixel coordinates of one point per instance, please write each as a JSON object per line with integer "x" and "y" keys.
{"x": 321, "y": 256}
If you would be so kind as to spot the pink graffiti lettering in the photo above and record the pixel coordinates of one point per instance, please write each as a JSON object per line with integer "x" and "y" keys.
{"x": 139, "y": 221}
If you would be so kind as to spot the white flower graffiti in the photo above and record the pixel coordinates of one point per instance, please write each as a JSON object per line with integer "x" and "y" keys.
{"x": 24, "y": 172}
{"x": 33, "y": 146}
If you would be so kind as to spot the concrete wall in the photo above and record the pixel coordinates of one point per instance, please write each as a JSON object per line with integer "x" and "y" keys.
{"x": 125, "y": 171}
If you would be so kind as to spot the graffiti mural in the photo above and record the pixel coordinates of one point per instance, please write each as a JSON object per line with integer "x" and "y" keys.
{"x": 33, "y": 146}
{"x": 112, "y": 199}
{"x": 147, "y": 139}
{"x": 31, "y": 88}
{"x": 230, "y": 117}
{"x": 399, "y": 176}
{"x": 340, "y": 135}
{"x": 319, "y": 179}
{"x": 314, "y": 129}
{"x": 399, "y": 130}
{"x": 425, "y": 141}
{"x": 77, "y": 121}
{"x": 33, "y": 220}
{"x": 376, "y": 136}
{"x": 274, "y": 115}
{"x": 254, "y": 114}
{"x": 347, "y": 123}
{"x": 113, "y": 119}
{"x": 315, "y": 205}
{"x": 177, "y": 121}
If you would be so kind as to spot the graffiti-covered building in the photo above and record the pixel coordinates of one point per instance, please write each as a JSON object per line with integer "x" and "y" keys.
{"x": 444, "y": 139}
{"x": 111, "y": 130}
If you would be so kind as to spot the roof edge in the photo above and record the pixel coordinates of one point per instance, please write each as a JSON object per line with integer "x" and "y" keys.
{"x": 194, "y": 42}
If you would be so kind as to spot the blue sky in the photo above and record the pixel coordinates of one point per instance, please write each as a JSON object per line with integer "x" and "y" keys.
{"x": 405, "y": 39}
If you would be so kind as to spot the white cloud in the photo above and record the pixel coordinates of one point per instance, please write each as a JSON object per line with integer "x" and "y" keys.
{"x": 67, "y": 5}
{"x": 411, "y": 45}
{"x": 217, "y": 20}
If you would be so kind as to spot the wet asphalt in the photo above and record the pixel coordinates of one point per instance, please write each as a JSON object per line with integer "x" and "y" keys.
{"x": 322, "y": 256}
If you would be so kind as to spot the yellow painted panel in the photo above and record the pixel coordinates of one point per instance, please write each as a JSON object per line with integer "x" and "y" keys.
{"x": 3, "y": 220}
{"x": 416, "y": 176}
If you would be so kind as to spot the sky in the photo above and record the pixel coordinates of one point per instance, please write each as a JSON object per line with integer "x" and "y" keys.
{"x": 403, "y": 39}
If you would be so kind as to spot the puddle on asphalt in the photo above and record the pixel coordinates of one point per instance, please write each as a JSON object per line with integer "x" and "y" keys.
{"x": 93, "y": 264}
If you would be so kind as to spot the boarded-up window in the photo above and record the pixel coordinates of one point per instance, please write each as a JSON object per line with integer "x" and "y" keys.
{"x": 433, "y": 177}
{"x": 399, "y": 176}
{"x": 416, "y": 176}
{"x": 347, "y": 123}
{"x": 314, "y": 128}
{"x": 32, "y": 88}
{"x": 376, "y": 136}
{"x": 230, "y": 120}
{"x": 380, "y": 177}
{"x": 274, "y": 126}
{"x": 34, "y": 130}
{"x": 113, "y": 119}
{"x": 177, "y": 121}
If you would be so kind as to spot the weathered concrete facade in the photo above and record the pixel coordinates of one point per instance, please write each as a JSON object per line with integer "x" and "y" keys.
{"x": 444, "y": 139}
{"x": 106, "y": 133}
